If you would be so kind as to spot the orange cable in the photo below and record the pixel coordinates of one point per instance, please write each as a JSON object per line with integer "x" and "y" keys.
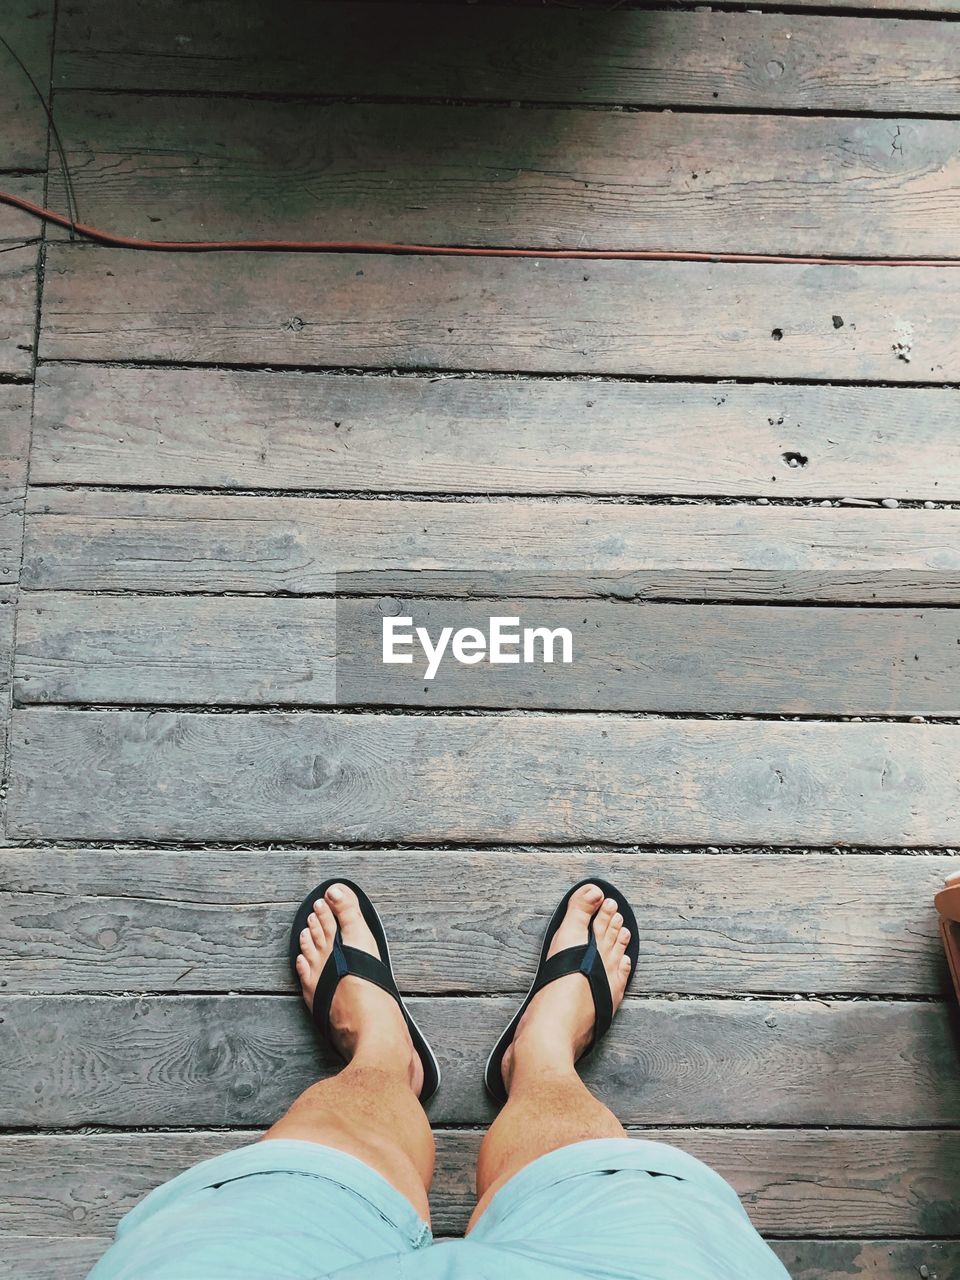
{"x": 115, "y": 241}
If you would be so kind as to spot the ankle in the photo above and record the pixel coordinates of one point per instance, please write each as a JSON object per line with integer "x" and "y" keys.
{"x": 534, "y": 1056}
{"x": 377, "y": 1056}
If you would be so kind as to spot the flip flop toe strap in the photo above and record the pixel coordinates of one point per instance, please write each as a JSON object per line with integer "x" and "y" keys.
{"x": 342, "y": 962}
{"x": 588, "y": 961}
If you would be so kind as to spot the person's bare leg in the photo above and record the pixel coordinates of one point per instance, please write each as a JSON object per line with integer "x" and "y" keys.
{"x": 548, "y": 1105}
{"x": 371, "y": 1110}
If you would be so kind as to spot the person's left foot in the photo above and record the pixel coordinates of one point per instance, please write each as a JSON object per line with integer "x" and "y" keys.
{"x": 362, "y": 1015}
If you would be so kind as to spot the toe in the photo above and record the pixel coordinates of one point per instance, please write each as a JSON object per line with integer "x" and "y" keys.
{"x": 604, "y": 916}
{"x": 316, "y": 931}
{"x": 583, "y": 904}
{"x": 344, "y": 904}
{"x": 308, "y": 948}
{"x": 625, "y": 967}
{"x": 327, "y": 922}
{"x": 614, "y": 927}
{"x": 623, "y": 938}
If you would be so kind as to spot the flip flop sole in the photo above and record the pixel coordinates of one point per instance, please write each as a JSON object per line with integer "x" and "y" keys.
{"x": 431, "y": 1067}
{"x": 493, "y": 1075}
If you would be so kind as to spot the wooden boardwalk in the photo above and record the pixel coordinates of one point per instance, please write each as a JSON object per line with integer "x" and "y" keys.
{"x": 748, "y": 478}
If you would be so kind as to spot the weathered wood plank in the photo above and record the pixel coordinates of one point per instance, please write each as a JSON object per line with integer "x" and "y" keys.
{"x": 50, "y": 1257}
{"x": 11, "y": 537}
{"x": 70, "y": 1258}
{"x": 28, "y": 27}
{"x": 18, "y": 309}
{"x": 104, "y": 921}
{"x": 188, "y": 650}
{"x": 172, "y": 542}
{"x": 283, "y": 430}
{"x": 876, "y": 1259}
{"x": 538, "y": 177}
{"x": 16, "y": 226}
{"x": 7, "y": 623}
{"x": 496, "y": 778}
{"x": 70, "y": 1187}
{"x": 263, "y": 651}
{"x": 15, "y": 405}
{"x": 188, "y": 1061}
{"x": 502, "y": 53}
{"x": 19, "y": 286}
{"x": 945, "y": 7}
{"x": 901, "y": 324}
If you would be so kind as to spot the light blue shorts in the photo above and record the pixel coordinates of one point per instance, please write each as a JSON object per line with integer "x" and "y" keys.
{"x": 278, "y": 1210}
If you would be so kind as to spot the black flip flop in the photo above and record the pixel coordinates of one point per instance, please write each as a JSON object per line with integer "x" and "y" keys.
{"x": 583, "y": 959}
{"x": 346, "y": 960}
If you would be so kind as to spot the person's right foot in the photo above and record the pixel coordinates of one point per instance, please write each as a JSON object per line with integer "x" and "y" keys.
{"x": 557, "y": 1025}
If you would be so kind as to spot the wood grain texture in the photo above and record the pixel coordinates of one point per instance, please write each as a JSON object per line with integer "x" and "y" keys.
{"x": 71, "y": 1187}
{"x": 901, "y": 324}
{"x": 28, "y": 27}
{"x": 876, "y": 1259}
{"x": 129, "y": 541}
{"x": 218, "y": 168}
{"x": 15, "y": 407}
{"x": 15, "y": 403}
{"x": 50, "y": 1258}
{"x": 190, "y": 1061}
{"x": 18, "y": 309}
{"x": 186, "y": 650}
{"x": 284, "y": 430}
{"x": 15, "y": 225}
{"x": 7, "y": 628}
{"x": 498, "y": 778}
{"x": 104, "y": 921}
{"x": 263, "y": 651}
{"x": 18, "y": 294}
{"x": 629, "y": 56}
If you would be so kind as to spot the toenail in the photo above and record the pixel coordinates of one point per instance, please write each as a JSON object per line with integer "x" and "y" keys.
{"x": 335, "y": 893}
{"x": 610, "y": 904}
{"x": 304, "y": 935}
{"x": 317, "y": 906}
{"x": 593, "y": 892}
